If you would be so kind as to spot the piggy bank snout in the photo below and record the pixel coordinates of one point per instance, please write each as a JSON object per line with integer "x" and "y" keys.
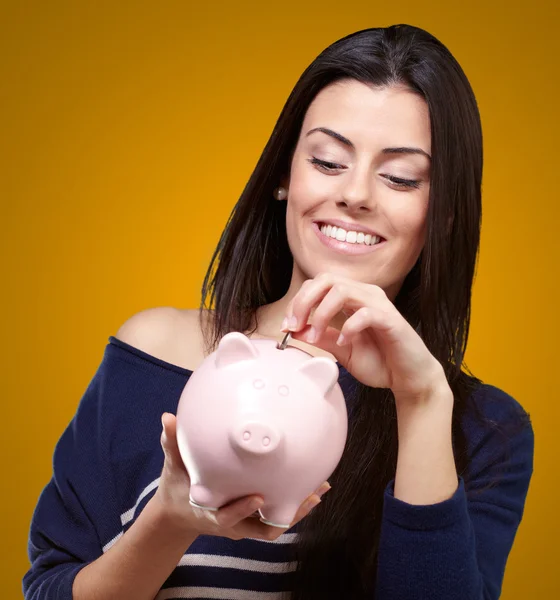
{"x": 255, "y": 437}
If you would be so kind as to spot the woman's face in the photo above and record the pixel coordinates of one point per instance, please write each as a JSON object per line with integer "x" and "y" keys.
{"x": 366, "y": 185}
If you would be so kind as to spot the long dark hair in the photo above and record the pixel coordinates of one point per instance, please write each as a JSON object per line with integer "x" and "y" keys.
{"x": 252, "y": 266}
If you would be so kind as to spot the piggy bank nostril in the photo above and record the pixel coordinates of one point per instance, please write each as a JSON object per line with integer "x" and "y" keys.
{"x": 266, "y": 441}
{"x": 247, "y": 435}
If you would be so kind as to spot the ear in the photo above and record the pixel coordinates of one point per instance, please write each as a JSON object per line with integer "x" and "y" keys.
{"x": 233, "y": 348}
{"x": 322, "y": 371}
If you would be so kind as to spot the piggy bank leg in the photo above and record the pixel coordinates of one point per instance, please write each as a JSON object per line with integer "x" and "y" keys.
{"x": 202, "y": 497}
{"x": 278, "y": 516}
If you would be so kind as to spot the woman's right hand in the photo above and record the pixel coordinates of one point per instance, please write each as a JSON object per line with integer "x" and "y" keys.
{"x": 235, "y": 520}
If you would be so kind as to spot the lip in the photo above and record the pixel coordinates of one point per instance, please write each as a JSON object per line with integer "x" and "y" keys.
{"x": 348, "y": 226}
{"x": 344, "y": 247}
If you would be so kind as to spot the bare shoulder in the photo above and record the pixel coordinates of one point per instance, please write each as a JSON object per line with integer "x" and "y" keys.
{"x": 170, "y": 334}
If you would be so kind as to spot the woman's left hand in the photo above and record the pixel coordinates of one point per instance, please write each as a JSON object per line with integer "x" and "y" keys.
{"x": 376, "y": 344}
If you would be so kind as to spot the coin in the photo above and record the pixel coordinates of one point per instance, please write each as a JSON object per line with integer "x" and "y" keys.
{"x": 282, "y": 345}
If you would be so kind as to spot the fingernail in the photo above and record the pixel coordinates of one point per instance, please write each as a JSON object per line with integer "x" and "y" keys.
{"x": 284, "y": 324}
{"x": 324, "y": 489}
{"x": 255, "y": 504}
{"x": 341, "y": 340}
{"x": 313, "y": 503}
{"x": 292, "y": 323}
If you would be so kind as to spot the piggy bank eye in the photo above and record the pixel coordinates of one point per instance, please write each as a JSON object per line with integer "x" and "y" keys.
{"x": 258, "y": 384}
{"x": 283, "y": 390}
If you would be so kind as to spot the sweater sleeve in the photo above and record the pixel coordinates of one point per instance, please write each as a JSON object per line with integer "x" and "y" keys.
{"x": 457, "y": 549}
{"x": 77, "y": 509}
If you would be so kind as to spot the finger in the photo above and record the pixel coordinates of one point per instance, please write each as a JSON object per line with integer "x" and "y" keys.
{"x": 259, "y": 530}
{"x": 231, "y": 514}
{"x": 323, "y": 489}
{"x": 263, "y": 530}
{"x": 327, "y": 342}
{"x": 341, "y": 295}
{"x": 310, "y": 503}
{"x": 306, "y": 507}
{"x": 252, "y": 528}
{"x": 309, "y": 295}
{"x": 289, "y": 311}
{"x": 169, "y": 442}
{"x": 380, "y": 318}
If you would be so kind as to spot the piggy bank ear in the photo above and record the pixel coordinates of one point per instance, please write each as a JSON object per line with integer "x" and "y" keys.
{"x": 233, "y": 348}
{"x": 322, "y": 371}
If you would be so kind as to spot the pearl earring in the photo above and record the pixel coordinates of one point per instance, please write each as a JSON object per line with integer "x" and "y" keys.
{"x": 280, "y": 193}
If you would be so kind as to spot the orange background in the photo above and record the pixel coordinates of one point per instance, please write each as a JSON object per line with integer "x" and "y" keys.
{"x": 131, "y": 128}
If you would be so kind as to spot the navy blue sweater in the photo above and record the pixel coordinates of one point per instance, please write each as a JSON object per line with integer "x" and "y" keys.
{"x": 108, "y": 461}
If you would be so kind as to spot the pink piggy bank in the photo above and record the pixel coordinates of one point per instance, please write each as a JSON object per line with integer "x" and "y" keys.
{"x": 255, "y": 419}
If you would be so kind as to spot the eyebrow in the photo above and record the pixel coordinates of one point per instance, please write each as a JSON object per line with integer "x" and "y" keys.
{"x": 347, "y": 142}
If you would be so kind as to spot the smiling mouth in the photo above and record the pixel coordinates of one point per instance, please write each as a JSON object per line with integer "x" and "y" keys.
{"x": 351, "y": 237}
{"x": 347, "y": 246}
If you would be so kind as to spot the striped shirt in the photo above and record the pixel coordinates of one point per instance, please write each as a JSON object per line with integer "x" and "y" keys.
{"x": 107, "y": 464}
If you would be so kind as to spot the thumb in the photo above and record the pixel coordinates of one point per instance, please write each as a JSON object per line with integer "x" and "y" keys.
{"x": 169, "y": 441}
{"x": 327, "y": 342}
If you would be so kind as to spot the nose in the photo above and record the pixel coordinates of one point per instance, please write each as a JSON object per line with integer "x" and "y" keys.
{"x": 357, "y": 193}
{"x": 256, "y": 438}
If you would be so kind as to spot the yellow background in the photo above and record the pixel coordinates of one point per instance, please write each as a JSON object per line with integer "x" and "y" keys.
{"x": 128, "y": 132}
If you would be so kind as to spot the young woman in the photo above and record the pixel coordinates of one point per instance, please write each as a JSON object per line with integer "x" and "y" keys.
{"x": 358, "y": 231}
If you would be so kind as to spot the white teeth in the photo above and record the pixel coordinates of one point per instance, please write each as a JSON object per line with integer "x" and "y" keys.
{"x": 351, "y": 237}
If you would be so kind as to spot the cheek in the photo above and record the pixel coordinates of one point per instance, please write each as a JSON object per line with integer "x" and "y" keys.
{"x": 308, "y": 185}
{"x": 410, "y": 224}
